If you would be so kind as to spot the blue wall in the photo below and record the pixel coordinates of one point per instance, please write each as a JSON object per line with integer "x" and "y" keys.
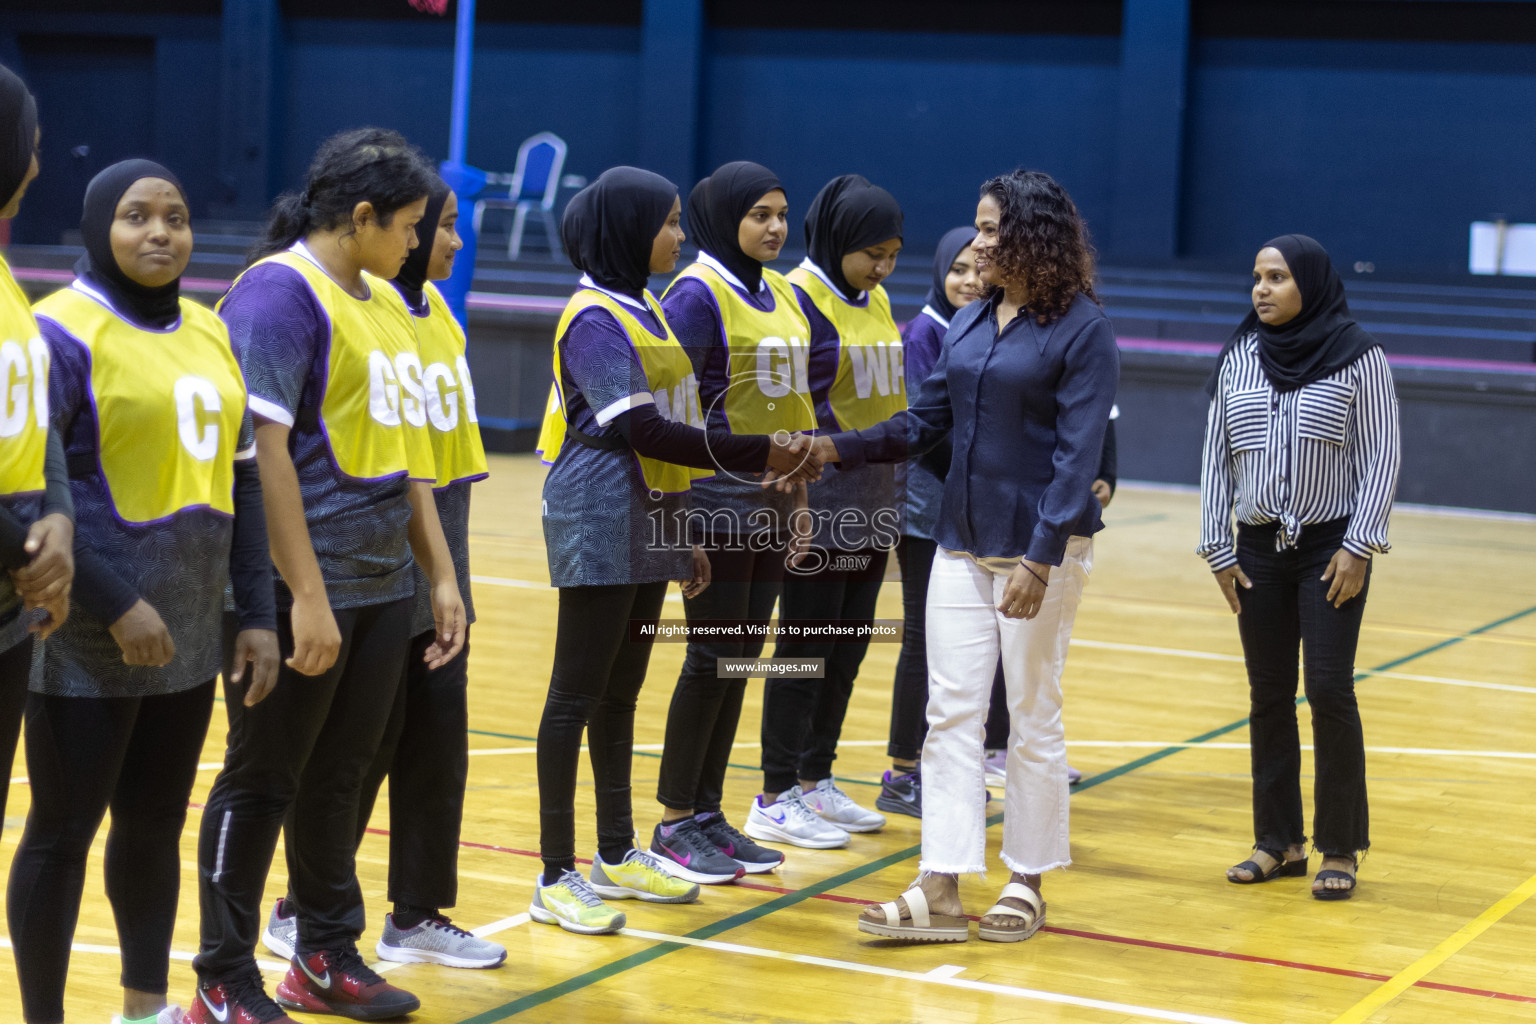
{"x": 1385, "y": 150}
{"x": 928, "y": 118}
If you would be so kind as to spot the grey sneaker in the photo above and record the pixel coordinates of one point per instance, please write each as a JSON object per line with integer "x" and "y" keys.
{"x": 437, "y": 940}
{"x": 282, "y": 932}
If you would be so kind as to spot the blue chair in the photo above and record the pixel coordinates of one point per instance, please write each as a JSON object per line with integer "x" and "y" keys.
{"x": 532, "y": 186}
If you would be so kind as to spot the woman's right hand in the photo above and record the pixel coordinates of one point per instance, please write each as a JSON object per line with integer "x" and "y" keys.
{"x": 316, "y": 640}
{"x": 792, "y": 458}
{"x": 1229, "y": 580}
{"x": 142, "y": 635}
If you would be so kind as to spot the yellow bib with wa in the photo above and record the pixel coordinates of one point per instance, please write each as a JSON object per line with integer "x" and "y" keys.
{"x": 769, "y": 355}
{"x": 374, "y": 410}
{"x": 454, "y": 426}
{"x": 23, "y": 391}
{"x": 870, "y": 386}
{"x": 668, "y": 374}
{"x": 168, "y": 406}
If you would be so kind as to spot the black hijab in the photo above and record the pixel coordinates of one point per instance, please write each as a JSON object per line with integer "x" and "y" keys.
{"x": 954, "y": 242}
{"x": 412, "y": 278}
{"x": 1321, "y": 340}
{"x": 148, "y": 307}
{"x": 715, "y": 209}
{"x": 18, "y": 133}
{"x": 846, "y": 215}
{"x": 609, "y": 227}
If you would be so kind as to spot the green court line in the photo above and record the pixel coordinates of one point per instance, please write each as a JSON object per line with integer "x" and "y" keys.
{"x": 645, "y": 956}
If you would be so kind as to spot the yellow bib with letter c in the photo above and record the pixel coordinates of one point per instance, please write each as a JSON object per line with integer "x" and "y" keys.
{"x": 454, "y": 425}
{"x": 23, "y": 391}
{"x": 168, "y": 405}
{"x": 870, "y": 386}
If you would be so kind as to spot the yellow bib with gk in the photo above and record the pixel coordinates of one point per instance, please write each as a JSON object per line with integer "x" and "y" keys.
{"x": 668, "y": 375}
{"x": 870, "y": 386}
{"x": 374, "y": 410}
{"x": 23, "y": 391}
{"x": 769, "y": 354}
{"x": 168, "y": 405}
{"x": 453, "y": 425}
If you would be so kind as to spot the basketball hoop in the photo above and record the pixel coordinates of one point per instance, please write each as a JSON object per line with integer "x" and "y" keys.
{"x": 431, "y": 6}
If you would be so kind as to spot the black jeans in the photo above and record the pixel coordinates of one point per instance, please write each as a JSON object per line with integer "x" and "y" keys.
{"x": 1287, "y": 609}
{"x": 425, "y": 754}
{"x": 593, "y": 688}
{"x": 15, "y": 667}
{"x": 701, "y": 723}
{"x": 138, "y": 756}
{"x": 909, "y": 694}
{"x": 297, "y": 761}
{"x": 803, "y": 718}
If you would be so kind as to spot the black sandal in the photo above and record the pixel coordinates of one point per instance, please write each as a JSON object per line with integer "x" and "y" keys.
{"x": 1283, "y": 868}
{"x": 1337, "y": 894}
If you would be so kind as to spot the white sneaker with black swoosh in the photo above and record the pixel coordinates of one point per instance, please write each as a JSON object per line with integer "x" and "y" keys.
{"x": 789, "y": 820}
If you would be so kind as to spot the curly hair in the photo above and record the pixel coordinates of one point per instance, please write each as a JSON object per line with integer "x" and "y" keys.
{"x": 1041, "y": 240}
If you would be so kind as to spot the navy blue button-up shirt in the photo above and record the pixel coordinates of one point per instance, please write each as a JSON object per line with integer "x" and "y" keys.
{"x": 1028, "y": 406}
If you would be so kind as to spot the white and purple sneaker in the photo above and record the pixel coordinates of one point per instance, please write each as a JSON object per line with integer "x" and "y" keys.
{"x": 789, "y": 820}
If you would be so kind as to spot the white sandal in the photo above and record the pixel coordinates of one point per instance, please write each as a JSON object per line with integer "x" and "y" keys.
{"x": 921, "y": 926}
{"x": 1034, "y": 916}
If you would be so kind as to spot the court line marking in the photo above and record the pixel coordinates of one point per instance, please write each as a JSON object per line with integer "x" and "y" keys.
{"x": 1408, "y": 976}
{"x": 270, "y": 966}
{"x": 930, "y": 978}
{"x": 597, "y": 974}
{"x": 1132, "y": 744}
{"x": 947, "y": 971}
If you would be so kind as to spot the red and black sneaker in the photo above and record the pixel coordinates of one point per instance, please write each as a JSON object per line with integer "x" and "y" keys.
{"x": 337, "y": 981}
{"x": 238, "y": 1000}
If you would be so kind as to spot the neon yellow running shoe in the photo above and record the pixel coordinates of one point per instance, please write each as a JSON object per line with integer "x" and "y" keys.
{"x": 571, "y": 904}
{"x": 640, "y": 876}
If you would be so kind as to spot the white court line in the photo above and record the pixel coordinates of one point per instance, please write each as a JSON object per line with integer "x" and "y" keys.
{"x": 930, "y": 979}
{"x": 1519, "y": 755}
{"x": 947, "y": 971}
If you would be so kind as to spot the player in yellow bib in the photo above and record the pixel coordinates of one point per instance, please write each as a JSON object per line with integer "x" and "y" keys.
{"x": 426, "y": 748}
{"x": 852, "y": 235}
{"x": 622, "y": 431}
{"x": 36, "y": 513}
{"x": 749, "y": 342}
{"x": 151, "y": 405}
{"x": 336, "y": 388}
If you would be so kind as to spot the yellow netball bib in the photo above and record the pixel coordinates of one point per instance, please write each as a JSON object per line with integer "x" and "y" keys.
{"x": 168, "y": 405}
{"x": 668, "y": 375}
{"x": 374, "y": 410}
{"x": 23, "y": 391}
{"x": 769, "y": 353}
{"x": 453, "y": 425}
{"x": 871, "y": 378}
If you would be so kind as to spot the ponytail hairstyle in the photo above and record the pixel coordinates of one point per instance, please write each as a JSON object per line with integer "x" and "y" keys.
{"x": 372, "y": 165}
{"x": 1042, "y": 241}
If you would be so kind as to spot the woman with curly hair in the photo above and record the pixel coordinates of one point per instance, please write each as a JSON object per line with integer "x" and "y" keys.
{"x": 1025, "y": 380}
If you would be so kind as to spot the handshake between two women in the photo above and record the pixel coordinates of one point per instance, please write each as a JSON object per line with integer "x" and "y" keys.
{"x": 796, "y": 459}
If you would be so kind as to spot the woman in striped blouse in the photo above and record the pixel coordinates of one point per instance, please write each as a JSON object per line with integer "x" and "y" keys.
{"x": 1302, "y": 444}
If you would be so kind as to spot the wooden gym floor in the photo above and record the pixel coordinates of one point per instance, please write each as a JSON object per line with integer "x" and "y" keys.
{"x": 1142, "y": 927}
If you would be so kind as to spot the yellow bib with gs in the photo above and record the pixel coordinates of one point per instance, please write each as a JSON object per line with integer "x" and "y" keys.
{"x": 769, "y": 352}
{"x": 168, "y": 405}
{"x": 454, "y": 426}
{"x": 374, "y": 410}
{"x": 668, "y": 375}
{"x": 23, "y": 391}
{"x": 870, "y": 386}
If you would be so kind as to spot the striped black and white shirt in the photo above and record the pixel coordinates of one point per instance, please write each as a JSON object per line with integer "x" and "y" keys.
{"x": 1318, "y": 453}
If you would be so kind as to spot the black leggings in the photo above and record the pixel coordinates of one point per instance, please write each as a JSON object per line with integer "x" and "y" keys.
{"x": 596, "y": 680}
{"x": 425, "y": 753}
{"x": 15, "y": 665}
{"x": 138, "y": 756}
{"x": 803, "y": 718}
{"x": 701, "y": 724}
{"x": 296, "y": 762}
